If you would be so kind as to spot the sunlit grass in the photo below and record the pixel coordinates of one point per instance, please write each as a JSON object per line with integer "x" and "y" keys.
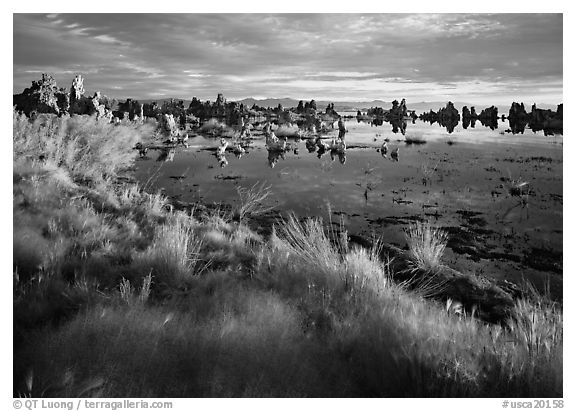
{"x": 174, "y": 253}
{"x": 426, "y": 246}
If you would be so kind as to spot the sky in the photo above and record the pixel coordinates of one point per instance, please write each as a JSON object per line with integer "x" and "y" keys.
{"x": 479, "y": 58}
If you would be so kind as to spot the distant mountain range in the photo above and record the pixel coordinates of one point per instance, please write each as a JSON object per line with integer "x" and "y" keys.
{"x": 419, "y": 107}
{"x": 320, "y": 104}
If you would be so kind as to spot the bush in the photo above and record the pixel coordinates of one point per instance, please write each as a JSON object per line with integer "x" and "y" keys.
{"x": 86, "y": 147}
{"x": 288, "y": 131}
{"x": 414, "y": 139}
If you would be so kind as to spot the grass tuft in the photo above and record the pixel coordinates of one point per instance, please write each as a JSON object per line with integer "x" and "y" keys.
{"x": 174, "y": 254}
{"x": 426, "y": 246}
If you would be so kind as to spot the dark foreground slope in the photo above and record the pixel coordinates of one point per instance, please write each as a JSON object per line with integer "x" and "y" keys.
{"x": 115, "y": 295}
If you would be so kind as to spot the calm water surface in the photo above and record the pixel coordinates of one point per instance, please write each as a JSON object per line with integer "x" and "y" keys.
{"x": 458, "y": 180}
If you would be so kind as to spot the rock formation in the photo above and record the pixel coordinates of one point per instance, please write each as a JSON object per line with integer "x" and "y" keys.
{"x": 396, "y": 110}
{"x": 151, "y": 110}
{"x": 43, "y": 96}
{"x": 489, "y": 113}
{"x": 517, "y": 111}
{"x": 168, "y": 126}
{"x": 402, "y": 107}
{"x": 376, "y": 112}
{"x": 330, "y": 110}
{"x": 300, "y": 108}
{"x": 134, "y": 109}
{"x": 447, "y": 117}
{"x": 517, "y": 118}
{"x": 448, "y": 113}
{"x": 76, "y": 93}
{"x": 546, "y": 120}
{"x": 489, "y": 117}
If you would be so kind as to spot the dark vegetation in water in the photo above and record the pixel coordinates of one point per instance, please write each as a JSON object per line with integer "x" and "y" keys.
{"x": 119, "y": 292}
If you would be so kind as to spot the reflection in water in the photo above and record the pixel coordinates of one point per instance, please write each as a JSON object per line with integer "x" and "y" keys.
{"x": 273, "y": 156}
{"x": 384, "y": 149}
{"x": 311, "y": 145}
{"x": 399, "y": 124}
{"x": 238, "y": 149}
{"x": 222, "y": 160}
{"x": 221, "y": 150}
{"x": 166, "y": 155}
{"x": 336, "y": 147}
{"x": 547, "y": 128}
{"x": 490, "y": 122}
{"x": 450, "y": 125}
{"x": 395, "y": 154}
{"x": 340, "y": 154}
{"x": 517, "y": 126}
{"x": 448, "y": 122}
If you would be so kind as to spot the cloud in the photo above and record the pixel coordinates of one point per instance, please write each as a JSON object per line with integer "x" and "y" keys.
{"x": 341, "y": 56}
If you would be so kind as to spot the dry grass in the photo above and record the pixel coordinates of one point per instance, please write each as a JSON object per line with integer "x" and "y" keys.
{"x": 308, "y": 241}
{"x": 174, "y": 254}
{"x": 252, "y": 201}
{"x": 426, "y": 246}
{"x": 365, "y": 269}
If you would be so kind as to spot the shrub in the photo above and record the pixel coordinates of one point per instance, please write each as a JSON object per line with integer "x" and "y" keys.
{"x": 285, "y": 130}
{"x": 86, "y": 147}
{"x": 414, "y": 139}
{"x": 216, "y": 128}
{"x": 251, "y": 202}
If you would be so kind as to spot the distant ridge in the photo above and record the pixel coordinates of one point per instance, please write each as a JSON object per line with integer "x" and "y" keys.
{"x": 321, "y": 104}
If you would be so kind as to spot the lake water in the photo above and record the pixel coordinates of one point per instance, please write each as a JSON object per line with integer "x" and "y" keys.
{"x": 459, "y": 181}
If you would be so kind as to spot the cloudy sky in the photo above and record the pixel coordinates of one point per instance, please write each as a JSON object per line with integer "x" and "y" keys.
{"x": 482, "y": 58}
